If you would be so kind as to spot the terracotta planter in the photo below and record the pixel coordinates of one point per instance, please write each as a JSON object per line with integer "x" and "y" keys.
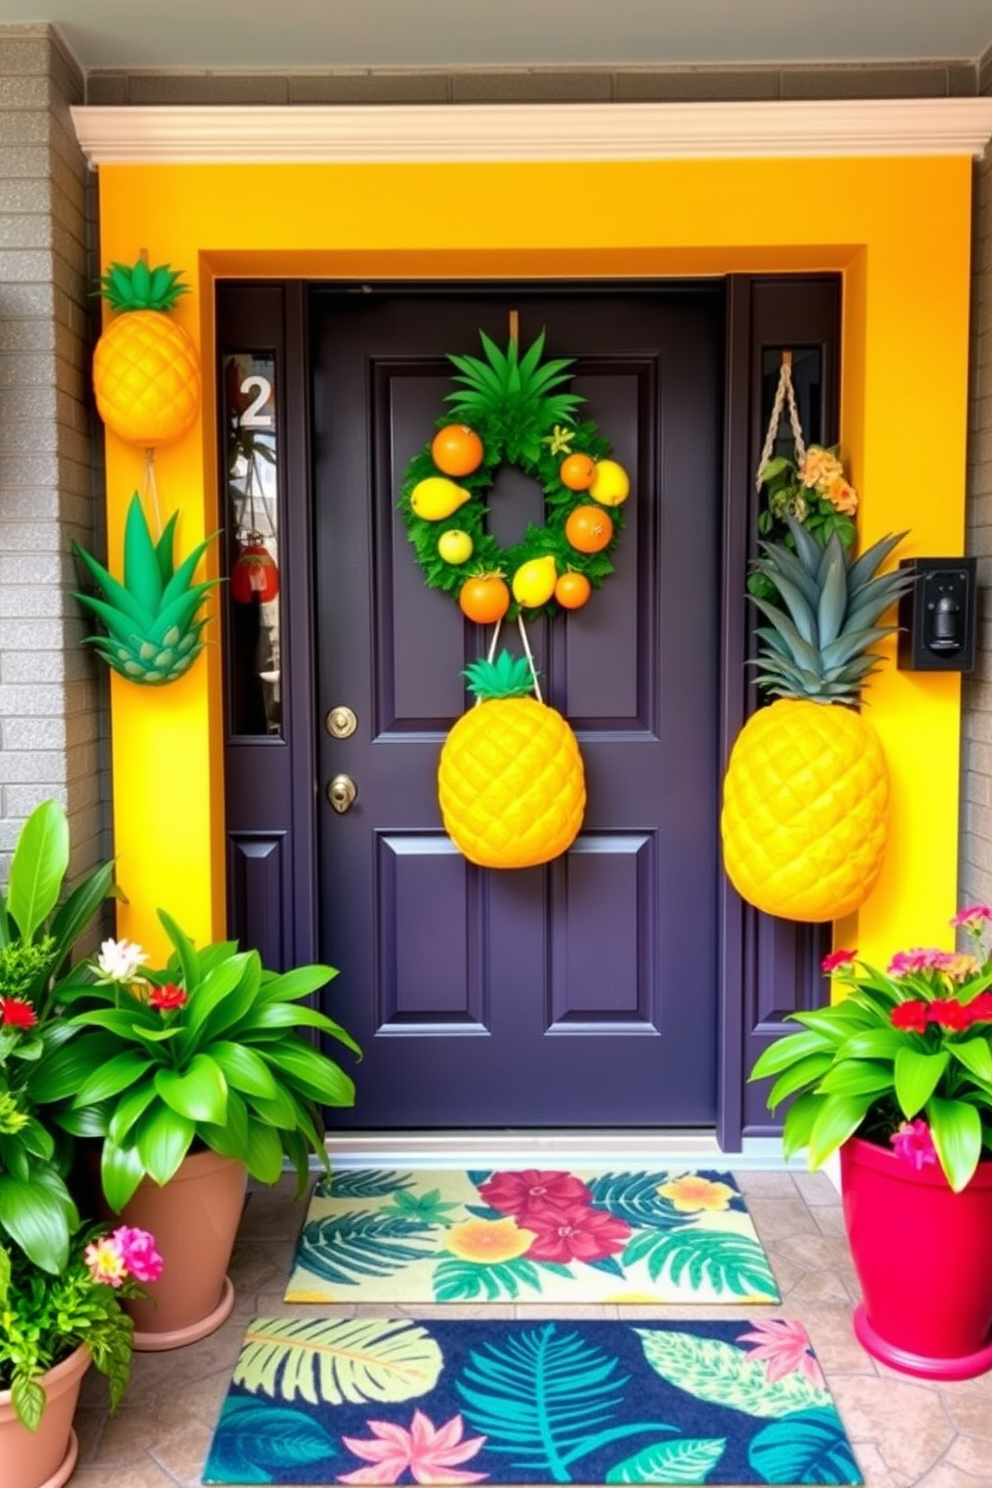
{"x": 44, "y": 1458}
{"x": 194, "y": 1219}
{"x": 921, "y": 1252}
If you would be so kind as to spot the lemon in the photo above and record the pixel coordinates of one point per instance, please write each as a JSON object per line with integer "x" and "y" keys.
{"x": 436, "y": 498}
{"x": 455, "y": 546}
{"x": 610, "y": 485}
{"x": 534, "y": 582}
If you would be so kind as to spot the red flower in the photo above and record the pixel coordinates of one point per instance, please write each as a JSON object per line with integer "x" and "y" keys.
{"x": 575, "y": 1233}
{"x": 949, "y": 1013}
{"x": 911, "y": 1016}
{"x": 168, "y": 997}
{"x": 16, "y": 1013}
{"x": 836, "y": 960}
{"x": 980, "y": 1008}
{"x": 533, "y": 1189}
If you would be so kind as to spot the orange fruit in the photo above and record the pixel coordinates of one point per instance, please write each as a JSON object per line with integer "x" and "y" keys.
{"x": 572, "y": 590}
{"x": 589, "y": 529}
{"x": 484, "y": 598}
{"x": 576, "y": 472}
{"x": 457, "y": 450}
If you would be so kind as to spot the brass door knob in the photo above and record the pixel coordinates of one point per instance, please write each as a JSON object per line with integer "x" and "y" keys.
{"x": 341, "y": 793}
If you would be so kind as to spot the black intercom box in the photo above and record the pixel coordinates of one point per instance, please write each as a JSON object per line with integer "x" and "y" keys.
{"x": 937, "y": 616}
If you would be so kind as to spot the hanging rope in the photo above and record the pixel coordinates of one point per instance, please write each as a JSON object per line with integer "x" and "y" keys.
{"x": 151, "y": 488}
{"x": 491, "y": 653}
{"x": 784, "y": 397}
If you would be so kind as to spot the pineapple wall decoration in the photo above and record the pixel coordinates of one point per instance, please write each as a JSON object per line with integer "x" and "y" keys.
{"x": 146, "y": 377}
{"x": 511, "y": 783}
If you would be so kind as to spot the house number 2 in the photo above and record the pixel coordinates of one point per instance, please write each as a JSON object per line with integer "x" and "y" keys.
{"x": 253, "y": 417}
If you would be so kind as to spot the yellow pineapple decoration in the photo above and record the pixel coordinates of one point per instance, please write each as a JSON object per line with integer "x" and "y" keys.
{"x": 146, "y": 372}
{"x": 806, "y": 795}
{"x": 510, "y": 779}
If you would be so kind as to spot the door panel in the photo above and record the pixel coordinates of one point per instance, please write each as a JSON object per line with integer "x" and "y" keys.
{"x": 582, "y": 992}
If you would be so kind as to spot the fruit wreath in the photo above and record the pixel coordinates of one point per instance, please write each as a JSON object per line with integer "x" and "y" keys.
{"x": 510, "y": 409}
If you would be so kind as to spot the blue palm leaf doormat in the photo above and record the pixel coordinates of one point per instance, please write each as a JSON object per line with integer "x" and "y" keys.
{"x": 399, "y": 1237}
{"x": 379, "y": 1401}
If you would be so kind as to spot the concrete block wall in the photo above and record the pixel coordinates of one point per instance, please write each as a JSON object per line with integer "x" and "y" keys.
{"x": 976, "y": 821}
{"x": 52, "y": 700}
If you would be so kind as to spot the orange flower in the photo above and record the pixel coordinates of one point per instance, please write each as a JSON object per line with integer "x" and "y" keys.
{"x": 488, "y": 1240}
{"x": 842, "y": 497}
{"x": 692, "y": 1193}
{"x": 820, "y": 468}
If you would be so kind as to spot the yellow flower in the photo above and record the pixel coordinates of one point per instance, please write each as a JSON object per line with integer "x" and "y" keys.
{"x": 843, "y": 497}
{"x": 692, "y": 1193}
{"x": 962, "y": 967}
{"x": 559, "y": 440}
{"x": 489, "y": 1240}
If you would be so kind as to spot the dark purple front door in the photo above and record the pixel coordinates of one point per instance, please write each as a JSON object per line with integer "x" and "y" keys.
{"x": 583, "y": 993}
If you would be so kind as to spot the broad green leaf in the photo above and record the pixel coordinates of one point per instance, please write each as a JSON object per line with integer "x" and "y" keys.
{"x": 917, "y": 1077}
{"x": 338, "y": 1360}
{"x": 244, "y": 1069}
{"x": 785, "y": 1052}
{"x": 263, "y": 1152}
{"x": 127, "y": 1110}
{"x": 38, "y": 1217}
{"x": 311, "y": 1073}
{"x": 254, "y": 1442}
{"x": 113, "y": 1077}
{"x": 731, "y": 1266}
{"x": 121, "y": 1170}
{"x": 38, "y": 867}
{"x": 163, "y": 1137}
{"x": 722, "y": 1374}
{"x": 872, "y": 1043}
{"x": 975, "y": 1056}
{"x": 199, "y": 1093}
{"x": 956, "y": 1128}
{"x": 290, "y": 986}
{"x": 837, "y": 1119}
{"x": 810, "y": 1446}
{"x": 857, "y": 1077}
{"x": 799, "y": 1119}
{"x": 63, "y": 1070}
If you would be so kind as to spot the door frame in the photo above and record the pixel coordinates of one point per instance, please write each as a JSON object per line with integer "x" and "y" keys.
{"x": 271, "y": 787}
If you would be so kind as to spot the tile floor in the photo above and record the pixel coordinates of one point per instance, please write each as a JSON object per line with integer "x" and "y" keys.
{"x": 904, "y": 1431}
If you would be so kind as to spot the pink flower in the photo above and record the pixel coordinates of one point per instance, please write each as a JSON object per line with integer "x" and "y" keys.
{"x": 168, "y": 997}
{"x": 784, "y": 1347}
{"x": 105, "y": 1259}
{"x": 15, "y": 1012}
{"x": 973, "y": 918}
{"x": 429, "y": 1454}
{"x": 836, "y": 960}
{"x": 519, "y": 1193}
{"x": 137, "y": 1248}
{"x": 904, "y": 963}
{"x": 911, "y": 1016}
{"x": 575, "y": 1233}
{"x": 914, "y": 1144}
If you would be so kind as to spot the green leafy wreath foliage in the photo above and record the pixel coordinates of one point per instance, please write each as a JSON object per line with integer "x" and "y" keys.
{"x": 515, "y": 405}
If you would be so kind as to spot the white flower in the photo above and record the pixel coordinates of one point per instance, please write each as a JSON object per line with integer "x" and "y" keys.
{"x": 119, "y": 960}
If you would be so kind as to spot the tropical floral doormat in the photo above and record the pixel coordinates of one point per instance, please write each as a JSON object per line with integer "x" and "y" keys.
{"x": 537, "y": 1235}
{"x": 378, "y": 1400}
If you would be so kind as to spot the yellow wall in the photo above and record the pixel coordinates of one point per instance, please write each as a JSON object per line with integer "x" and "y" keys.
{"x": 898, "y": 229}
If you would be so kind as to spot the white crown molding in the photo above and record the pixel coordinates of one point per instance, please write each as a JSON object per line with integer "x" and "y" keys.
{"x": 480, "y": 132}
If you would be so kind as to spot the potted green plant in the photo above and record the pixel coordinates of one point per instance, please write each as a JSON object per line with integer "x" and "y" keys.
{"x": 54, "y": 1327}
{"x": 192, "y": 1077}
{"x": 896, "y": 1075}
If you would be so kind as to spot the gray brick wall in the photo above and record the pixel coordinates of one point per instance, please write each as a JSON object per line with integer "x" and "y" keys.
{"x": 52, "y": 700}
{"x": 976, "y": 820}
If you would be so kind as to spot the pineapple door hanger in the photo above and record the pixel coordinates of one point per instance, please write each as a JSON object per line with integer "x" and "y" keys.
{"x": 511, "y": 783}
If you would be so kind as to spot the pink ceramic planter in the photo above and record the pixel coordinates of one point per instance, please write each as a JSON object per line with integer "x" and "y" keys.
{"x": 922, "y": 1254}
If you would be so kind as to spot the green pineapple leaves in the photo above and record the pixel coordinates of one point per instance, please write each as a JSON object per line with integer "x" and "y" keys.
{"x": 822, "y": 618}
{"x": 506, "y": 677}
{"x": 514, "y": 393}
{"x": 151, "y": 618}
{"x": 137, "y": 287}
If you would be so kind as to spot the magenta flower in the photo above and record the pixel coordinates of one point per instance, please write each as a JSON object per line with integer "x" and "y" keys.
{"x": 519, "y": 1193}
{"x": 784, "y": 1347}
{"x": 836, "y": 960}
{"x": 576, "y": 1233}
{"x": 905, "y": 963}
{"x": 429, "y": 1454}
{"x": 914, "y": 1144}
{"x": 973, "y": 919}
{"x": 137, "y": 1248}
